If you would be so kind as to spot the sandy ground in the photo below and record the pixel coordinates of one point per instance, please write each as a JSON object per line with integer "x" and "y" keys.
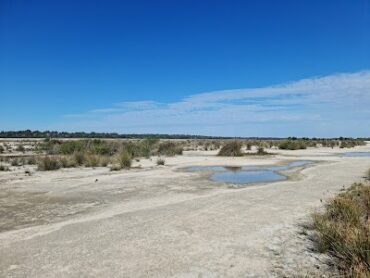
{"x": 161, "y": 221}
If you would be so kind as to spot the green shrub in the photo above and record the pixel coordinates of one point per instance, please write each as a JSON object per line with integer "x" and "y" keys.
{"x": 292, "y": 144}
{"x": 231, "y": 149}
{"x": 148, "y": 146}
{"x": 348, "y": 143}
{"x": 169, "y": 149}
{"x": 49, "y": 146}
{"x": 70, "y": 147}
{"x": 100, "y": 147}
{"x": 343, "y": 230}
{"x": 1, "y": 149}
{"x": 48, "y": 163}
{"x": 124, "y": 158}
{"x": 134, "y": 149}
{"x": 92, "y": 160}
{"x": 79, "y": 158}
{"x": 67, "y": 162}
{"x": 104, "y": 161}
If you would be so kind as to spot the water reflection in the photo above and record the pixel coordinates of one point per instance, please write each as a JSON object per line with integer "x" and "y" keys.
{"x": 248, "y": 174}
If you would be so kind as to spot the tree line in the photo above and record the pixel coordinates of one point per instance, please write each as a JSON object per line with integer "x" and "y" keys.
{"x": 113, "y": 135}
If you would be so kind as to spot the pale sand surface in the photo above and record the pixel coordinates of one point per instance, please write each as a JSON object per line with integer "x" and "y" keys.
{"x": 160, "y": 221}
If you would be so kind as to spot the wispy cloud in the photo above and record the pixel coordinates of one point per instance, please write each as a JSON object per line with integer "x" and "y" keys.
{"x": 322, "y": 106}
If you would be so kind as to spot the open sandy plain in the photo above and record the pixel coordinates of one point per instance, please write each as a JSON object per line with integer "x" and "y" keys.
{"x": 161, "y": 221}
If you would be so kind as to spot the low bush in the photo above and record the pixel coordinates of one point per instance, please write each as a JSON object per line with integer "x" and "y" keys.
{"x": 30, "y": 160}
{"x": 69, "y": 147}
{"x": 148, "y": 146}
{"x": 160, "y": 161}
{"x": 351, "y": 143}
{"x": 169, "y": 149}
{"x": 124, "y": 158}
{"x": 292, "y": 145}
{"x": 92, "y": 160}
{"x": 48, "y": 163}
{"x": 15, "y": 162}
{"x": 20, "y": 148}
{"x": 134, "y": 149}
{"x": 261, "y": 151}
{"x": 343, "y": 230}
{"x": 231, "y": 149}
{"x": 100, "y": 147}
{"x": 104, "y": 161}
{"x": 2, "y": 149}
{"x": 4, "y": 168}
{"x": 67, "y": 162}
{"x": 79, "y": 158}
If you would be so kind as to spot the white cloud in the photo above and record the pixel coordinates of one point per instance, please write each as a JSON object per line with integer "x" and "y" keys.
{"x": 322, "y": 106}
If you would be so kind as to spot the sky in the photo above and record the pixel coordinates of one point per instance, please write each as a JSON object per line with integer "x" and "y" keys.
{"x": 222, "y": 68}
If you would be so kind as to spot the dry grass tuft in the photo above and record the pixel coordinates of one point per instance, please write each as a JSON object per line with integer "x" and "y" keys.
{"x": 160, "y": 161}
{"x": 48, "y": 163}
{"x": 92, "y": 160}
{"x": 261, "y": 151}
{"x": 343, "y": 230}
{"x": 124, "y": 158}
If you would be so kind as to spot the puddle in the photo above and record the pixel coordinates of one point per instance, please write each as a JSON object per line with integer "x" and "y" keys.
{"x": 356, "y": 154}
{"x": 248, "y": 174}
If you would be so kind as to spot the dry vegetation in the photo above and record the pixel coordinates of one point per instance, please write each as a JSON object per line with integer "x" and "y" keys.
{"x": 292, "y": 145}
{"x": 4, "y": 168}
{"x": 102, "y": 153}
{"x": 160, "y": 161}
{"x": 231, "y": 149}
{"x": 170, "y": 149}
{"x": 343, "y": 230}
{"x": 52, "y": 154}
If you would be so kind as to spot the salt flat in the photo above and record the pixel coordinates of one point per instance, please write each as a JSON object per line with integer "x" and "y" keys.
{"x": 161, "y": 221}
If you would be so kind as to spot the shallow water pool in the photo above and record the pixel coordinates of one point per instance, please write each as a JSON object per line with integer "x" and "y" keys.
{"x": 248, "y": 174}
{"x": 357, "y": 154}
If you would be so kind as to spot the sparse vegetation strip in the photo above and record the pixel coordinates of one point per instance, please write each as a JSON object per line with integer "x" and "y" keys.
{"x": 343, "y": 230}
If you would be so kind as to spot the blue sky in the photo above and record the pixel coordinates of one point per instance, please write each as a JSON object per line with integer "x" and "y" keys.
{"x": 236, "y": 68}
